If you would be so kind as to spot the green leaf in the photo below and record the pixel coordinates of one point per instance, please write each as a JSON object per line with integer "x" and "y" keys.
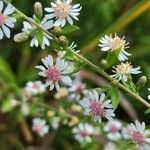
{"x": 112, "y": 57}
{"x": 147, "y": 111}
{"x": 6, "y": 106}
{"x": 114, "y": 95}
{"x": 6, "y": 72}
{"x": 39, "y": 36}
{"x": 69, "y": 29}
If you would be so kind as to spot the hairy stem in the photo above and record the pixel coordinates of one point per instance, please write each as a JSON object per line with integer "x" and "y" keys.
{"x": 90, "y": 64}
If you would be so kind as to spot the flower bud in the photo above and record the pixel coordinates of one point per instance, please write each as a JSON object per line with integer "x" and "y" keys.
{"x": 38, "y": 10}
{"x": 20, "y": 37}
{"x": 57, "y": 30}
{"x": 141, "y": 82}
{"x": 63, "y": 40}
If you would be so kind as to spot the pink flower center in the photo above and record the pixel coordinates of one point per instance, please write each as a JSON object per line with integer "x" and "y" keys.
{"x": 38, "y": 128}
{"x": 35, "y": 86}
{"x": 2, "y": 19}
{"x": 114, "y": 129}
{"x": 62, "y": 10}
{"x": 84, "y": 133}
{"x": 53, "y": 74}
{"x": 97, "y": 109}
{"x": 138, "y": 137}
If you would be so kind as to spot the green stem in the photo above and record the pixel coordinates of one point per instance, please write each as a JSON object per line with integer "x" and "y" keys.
{"x": 119, "y": 85}
{"x": 90, "y": 64}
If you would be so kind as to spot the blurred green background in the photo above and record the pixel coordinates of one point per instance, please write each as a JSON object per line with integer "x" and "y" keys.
{"x": 97, "y": 18}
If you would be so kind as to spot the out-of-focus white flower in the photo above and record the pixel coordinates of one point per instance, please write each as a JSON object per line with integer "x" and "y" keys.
{"x": 110, "y": 146}
{"x": 113, "y": 128}
{"x": 38, "y": 37}
{"x": 124, "y": 70}
{"x": 138, "y": 135}
{"x": 77, "y": 89}
{"x": 34, "y": 88}
{"x": 6, "y": 21}
{"x": 14, "y": 103}
{"x": 39, "y": 126}
{"x": 63, "y": 11}
{"x": 55, "y": 74}
{"x": 109, "y": 43}
{"x": 83, "y": 132}
{"x": 97, "y": 106}
{"x": 149, "y": 95}
{"x": 55, "y": 122}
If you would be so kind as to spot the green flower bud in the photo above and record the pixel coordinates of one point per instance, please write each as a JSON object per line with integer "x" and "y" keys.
{"x": 63, "y": 40}
{"x": 141, "y": 82}
{"x": 38, "y": 10}
{"x": 21, "y": 37}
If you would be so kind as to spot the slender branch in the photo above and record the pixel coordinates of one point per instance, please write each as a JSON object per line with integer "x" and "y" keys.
{"x": 104, "y": 74}
{"x": 90, "y": 64}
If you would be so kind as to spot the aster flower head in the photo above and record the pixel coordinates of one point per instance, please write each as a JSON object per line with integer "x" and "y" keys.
{"x": 113, "y": 128}
{"x": 77, "y": 89}
{"x": 110, "y": 43}
{"x": 97, "y": 106}
{"x": 83, "y": 132}
{"x": 6, "y": 21}
{"x": 38, "y": 36}
{"x": 138, "y": 135}
{"x": 149, "y": 95}
{"x": 62, "y": 11}
{"x": 124, "y": 70}
{"x": 39, "y": 126}
{"x": 55, "y": 73}
{"x": 34, "y": 88}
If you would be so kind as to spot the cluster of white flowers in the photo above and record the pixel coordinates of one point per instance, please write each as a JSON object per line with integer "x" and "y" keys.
{"x": 138, "y": 135}
{"x": 124, "y": 70}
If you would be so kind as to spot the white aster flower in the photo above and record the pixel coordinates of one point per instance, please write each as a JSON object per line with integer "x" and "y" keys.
{"x": 6, "y": 21}
{"x": 138, "y": 135}
{"x": 124, "y": 70}
{"x": 113, "y": 128}
{"x": 55, "y": 74}
{"x": 83, "y": 132}
{"x": 39, "y": 126}
{"x": 109, "y": 43}
{"x": 97, "y": 106}
{"x": 149, "y": 95}
{"x": 34, "y": 88}
{"x": 77, "y": 89}
{"x": 38, "y": 36}
{"x": 63, "y": 11}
